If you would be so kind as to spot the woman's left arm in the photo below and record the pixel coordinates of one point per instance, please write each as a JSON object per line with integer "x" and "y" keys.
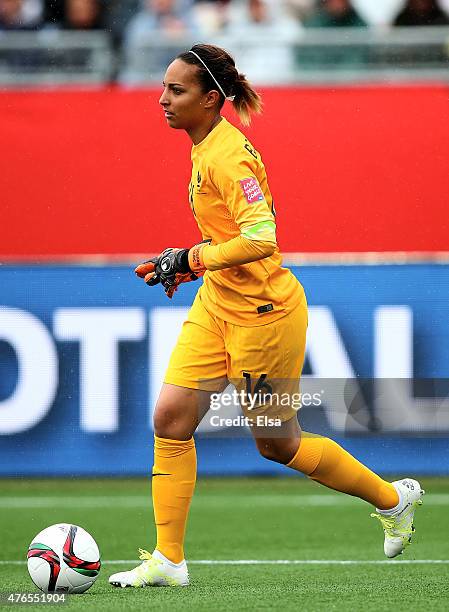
{"x": 238, "y": 187}
{"x": 257, "y": 242}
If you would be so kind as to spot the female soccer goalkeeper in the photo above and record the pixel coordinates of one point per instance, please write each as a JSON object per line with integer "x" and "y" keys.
{"x": 247, "y": 324}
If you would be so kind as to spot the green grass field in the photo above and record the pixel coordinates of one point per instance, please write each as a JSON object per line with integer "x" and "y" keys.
{"x": 232, "y": 520}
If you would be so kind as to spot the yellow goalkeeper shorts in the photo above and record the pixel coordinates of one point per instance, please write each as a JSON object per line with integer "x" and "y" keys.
{"x": 263, "y": 361}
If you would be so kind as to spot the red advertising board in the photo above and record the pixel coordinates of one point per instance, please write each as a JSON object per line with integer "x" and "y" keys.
{"x": 99, "y": 172}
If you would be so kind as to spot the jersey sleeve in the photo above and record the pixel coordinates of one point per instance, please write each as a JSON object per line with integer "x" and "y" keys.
{"x": 235, "y": 252}
{"x": 238, "y": 187}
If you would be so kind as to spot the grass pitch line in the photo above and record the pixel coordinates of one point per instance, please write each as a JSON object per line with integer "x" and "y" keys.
{"x": 201, "y": 501}
{"x": 275, "y": 562}
{"x": 296, "y": 562}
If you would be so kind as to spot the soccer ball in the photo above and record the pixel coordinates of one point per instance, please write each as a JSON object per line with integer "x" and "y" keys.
{"x": 63, "y": 558}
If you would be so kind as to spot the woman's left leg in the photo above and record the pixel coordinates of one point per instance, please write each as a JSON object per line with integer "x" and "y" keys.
{"x": 320, "y": 458}
{"x": 269, "y": 358}
{"x": 325, "y": 461}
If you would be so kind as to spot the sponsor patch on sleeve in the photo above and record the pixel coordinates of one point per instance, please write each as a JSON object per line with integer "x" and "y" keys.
{"x": 251, "y": 190}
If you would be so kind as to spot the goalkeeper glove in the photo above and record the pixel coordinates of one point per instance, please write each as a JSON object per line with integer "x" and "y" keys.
{"x": 173, "y": 267}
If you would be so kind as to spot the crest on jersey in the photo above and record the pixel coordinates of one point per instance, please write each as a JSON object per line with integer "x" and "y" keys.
{"x": 251, "y": 190}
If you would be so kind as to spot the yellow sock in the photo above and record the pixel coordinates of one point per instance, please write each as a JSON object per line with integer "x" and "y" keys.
{"x": 326, "y": 462}
{"x": 173, "y": 483}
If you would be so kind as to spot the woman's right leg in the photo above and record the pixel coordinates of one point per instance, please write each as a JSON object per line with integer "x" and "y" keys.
{"x": 196, "y": 370}
{"x": 178, "y": 413}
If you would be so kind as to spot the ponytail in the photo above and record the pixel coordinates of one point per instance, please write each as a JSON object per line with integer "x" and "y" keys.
{"x": 216, "y": 70}
{"x": 247, "y": 101}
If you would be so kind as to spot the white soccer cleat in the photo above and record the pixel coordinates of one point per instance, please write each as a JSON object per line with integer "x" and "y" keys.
{"x": 398, "y": 526}
{"x": 155, "y": 570}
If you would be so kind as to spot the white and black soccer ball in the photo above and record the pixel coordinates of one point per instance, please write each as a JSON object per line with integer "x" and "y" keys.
{"x": 63, "y": 558}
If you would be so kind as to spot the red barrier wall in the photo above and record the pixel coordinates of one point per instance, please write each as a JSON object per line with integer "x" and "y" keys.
{"x": 351, "y": 169}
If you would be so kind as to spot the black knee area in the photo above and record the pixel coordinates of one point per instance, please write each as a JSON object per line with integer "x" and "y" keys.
{"x": 274, "y": 452}
{"x": 279, "y": 450}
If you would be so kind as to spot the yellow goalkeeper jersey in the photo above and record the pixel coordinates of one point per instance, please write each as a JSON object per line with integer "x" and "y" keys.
{"x": 229, "y": 196}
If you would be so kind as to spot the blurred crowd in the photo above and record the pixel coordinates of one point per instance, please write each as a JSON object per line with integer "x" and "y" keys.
{"x": 129, "y": 19}
{"x": 266, "y": 24}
